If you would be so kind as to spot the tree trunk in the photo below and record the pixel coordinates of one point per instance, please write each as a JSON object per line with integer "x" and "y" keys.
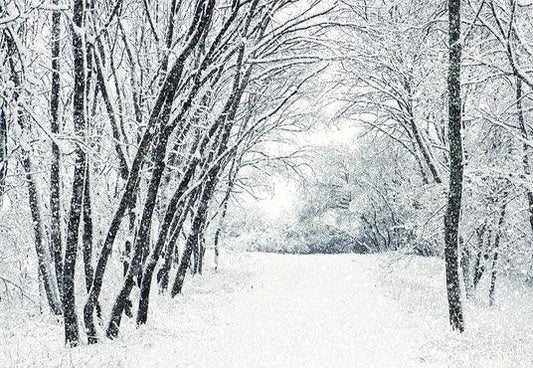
{"x": 466, "y": 267}
{"x": 192, "y": 239}
{"x": 3, "y": 154}
{"x": 453, "y": 211}
{"x": 143, "y": 237}
{"x": 525, "y": 147}
{"x": 157, "y": 119}
{"x": 43, "y": 254}
{"x": 172, "y": 251}
{"x": 71, "y": 249}
{"x": 201, "y": 251}
{"x": 496, "y": 254}
{"x": 482, "y": 259}
{"x": 149, "y": 268}
{"x": 143, "y": 234}
{"x": 419, "y": 141}
{"x": 225, "y": 202}
{"x": 87, "y": 230}
{"x": 55, "y": 183}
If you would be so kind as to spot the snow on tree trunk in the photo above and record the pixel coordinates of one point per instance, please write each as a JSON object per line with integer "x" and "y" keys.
{"x": 453, "y": 211}
{"x": 79, "y": 118}
{"x": 55, "y": 184}
{"x": 43, "y": 253}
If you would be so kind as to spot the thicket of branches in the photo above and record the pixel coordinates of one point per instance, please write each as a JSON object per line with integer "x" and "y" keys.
{"x": 124, "y": 125}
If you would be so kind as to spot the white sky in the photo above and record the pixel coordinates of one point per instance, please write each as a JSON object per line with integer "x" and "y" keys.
{"x": 284, "y": 192}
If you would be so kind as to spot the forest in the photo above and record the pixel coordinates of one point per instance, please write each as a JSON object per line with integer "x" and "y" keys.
{"x": 266, "y": 183}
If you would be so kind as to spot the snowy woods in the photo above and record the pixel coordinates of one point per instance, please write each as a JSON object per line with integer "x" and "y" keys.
{"x": 138, "y": 138}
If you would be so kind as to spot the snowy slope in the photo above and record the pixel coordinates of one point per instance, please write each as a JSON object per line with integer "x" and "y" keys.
{"x": 265, "y": 310}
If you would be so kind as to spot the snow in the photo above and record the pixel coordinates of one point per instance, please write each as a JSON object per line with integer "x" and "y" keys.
{"x": 5, "y": 204}
{"x": 267, "y": 310}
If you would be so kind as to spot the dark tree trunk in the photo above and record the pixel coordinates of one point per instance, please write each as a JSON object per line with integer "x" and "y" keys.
{"x": 87, "y": 230}
{"x": 496, "y": 255}
{"x": 453, "y": 211}
{"x": 149, "y": 268}
{"x": 43, "y": 254}
{"x": 201, "y": 251}
{"x": 143, "y": 235}
{"x": 55, "y": 184}
{"x": 481, "y": 252}
{"x": 156, "y": 120}
{"x": 225, "y": 202}
{"x": 71, "y": 248}
{"x": 419, "y": 141}
{"x": 3, "y": 154}
{"x": 192, "y": 239}
{"x": 482, "y": 259}
{"x": 172, "y": 251}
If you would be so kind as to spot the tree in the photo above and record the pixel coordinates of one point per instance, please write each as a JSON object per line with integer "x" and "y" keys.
{"x": 79, "y": 118}
{"x": 453, "y": 211}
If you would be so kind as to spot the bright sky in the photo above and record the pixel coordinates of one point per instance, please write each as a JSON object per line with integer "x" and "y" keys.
{"x": 284, "y": 190}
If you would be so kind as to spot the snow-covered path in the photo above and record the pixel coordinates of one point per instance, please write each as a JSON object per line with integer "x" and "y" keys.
{"x": 311, "y": 311}
{"x": 264, "y": 310}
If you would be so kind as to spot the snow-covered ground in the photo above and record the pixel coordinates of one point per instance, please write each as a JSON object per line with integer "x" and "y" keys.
{"x": 265, "y": 310}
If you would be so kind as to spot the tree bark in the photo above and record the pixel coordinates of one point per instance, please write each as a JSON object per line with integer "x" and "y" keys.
{"x": 225, "y": 202}
{"x": 71, "y": 248}
{"x": 453, "y": 211}
{"x": 143, "y": 235}
{"x": 482, "y": 254}
{"x": 149, "y": 268}
{"x": 496, "y": 255}
{"x": 87, "y": 230}
{"x": 3, "y": 154}
{"x": 172, "y": 251}
{"x": 43, "y": 254}
{"x": 55, "y": 183}
{"x": 192, "y": 239}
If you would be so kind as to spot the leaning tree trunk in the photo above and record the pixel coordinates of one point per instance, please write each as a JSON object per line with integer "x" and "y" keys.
{"x": 172, "y": 250}
{"x": 419, "y": 141}
{"x": 150, "y": 265}
{"x": 43, "y": 253}
{"x": 165, "y": 96}
{"x": 453, "y": 211}
{"x": 192, "y": 239}
{"x": 143, "y": 235}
